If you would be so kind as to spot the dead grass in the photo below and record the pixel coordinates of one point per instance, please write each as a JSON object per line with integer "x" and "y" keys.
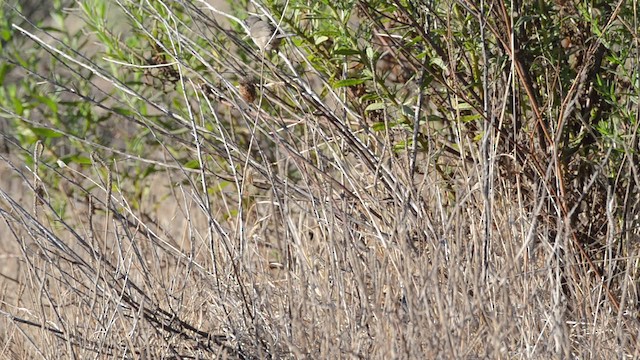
{"x": 295, "y": 227}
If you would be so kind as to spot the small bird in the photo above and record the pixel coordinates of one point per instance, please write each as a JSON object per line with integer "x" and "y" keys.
{"x": 247, "y": 89}
{"x": 263, "y": 33}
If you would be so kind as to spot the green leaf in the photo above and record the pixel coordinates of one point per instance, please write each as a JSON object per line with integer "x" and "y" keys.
{"x": 470, "y": 118}
{"x": 345, "y": 51}
{"x": 81, "y": 160}
{"x": 402, "y": 145}
{"x": 122, "y": 111}
{"x": 46, "y": 133}
{"x": 192, "y": 164}
{"x": 348, "y": 82}
{"x": 407, "y": 111}
{"x": 375, "y": 106}
{"x": 370, "y": 97}
{"x": 378, "y": 126}
{"x": 320, "y": 39}
{"x": 17, "y": 106}
{"x": 51, "y": 104}
{"x": 462, "y": 106}
{"x": 5, "y": 34}
{"x": 370, "y": 53}
{"x": 438, "y": 62}
{"x": 4, "y": 69}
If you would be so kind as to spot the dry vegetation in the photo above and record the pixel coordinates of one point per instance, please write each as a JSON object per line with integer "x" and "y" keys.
{"x": 434, "y": 179}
